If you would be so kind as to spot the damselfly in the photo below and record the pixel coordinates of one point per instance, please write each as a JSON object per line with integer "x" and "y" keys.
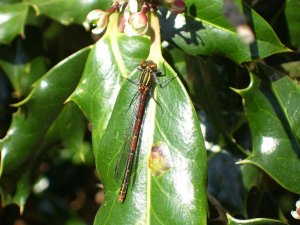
{"x": 147, "y": 80}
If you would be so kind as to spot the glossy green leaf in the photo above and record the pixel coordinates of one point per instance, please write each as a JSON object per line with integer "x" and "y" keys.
{"x": 3, "y": 2}
{"x": 292, "y": 8}
{"x": 205, "y": 31}
{"x": 70, "y": 128}
{"x": 259, "y": 221}
{"x": 38, "y": 111}
{"x": 252, "y": 176}
{"x": 13, "y": 16}
{"x": 180, "y": 190}
{"x": 21, "y": 191}
{"x": 209, "y": 81}
{"x": 12, "y": 21}
{"x": 273, "y": 116}
{"x": 104, "y": 96}
{"x": 22, "y": 76}
{"x": 23, "y": 63}
{"x": 289, "y": 102}
{"x": 215, "y": 76}
{"x": 66, "y": 11}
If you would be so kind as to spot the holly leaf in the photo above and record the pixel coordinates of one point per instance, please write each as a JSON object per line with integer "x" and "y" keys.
{"x": 205, "y": 31}
{"x": 13, "y": 18}
{"x": 66, "y": 11}
{"x": 38, "y": 111}
{"x": 172, "y": 127}
{"x": 23, "y": 75}
{"x": 74, "y": 147}
{"x": 273, "y": 116}
{"x": 21, "y": 190}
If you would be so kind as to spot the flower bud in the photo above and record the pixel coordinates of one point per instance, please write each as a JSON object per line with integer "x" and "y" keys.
{"x": 137, "y": 24}
{"x": 245, "y": 34}
{"x": 97, "y": 21}
{"x": 296, "y": 214}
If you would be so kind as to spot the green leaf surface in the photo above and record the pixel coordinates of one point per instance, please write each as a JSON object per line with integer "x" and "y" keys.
{"x": 12, "y": 21}
{"x": 13, "y": 16}
{"x": 69, "y": 128}
{"x": 156, "y": 198}
{"x": 292, "y": 8}
{"x": 21, "y": 191}
{"x": 252, "y": 176}
{"x": 66, "y": 11}
{"x": 22, "y": 76}
{"x": 205, "y": 31}
{"x": 97, "y": 92}
{"x": 23, "y": 63}
{"x": 4, "y": 2}
{"x": 289, "y": 102}
{"x": 31, "y": 122}
{"x": 273, "y": 116}
{"x": 105, "y": 96}
{"x": 259, "y": 221}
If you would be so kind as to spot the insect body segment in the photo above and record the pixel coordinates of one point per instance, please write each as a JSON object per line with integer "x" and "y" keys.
{"x": 146, "y": 81}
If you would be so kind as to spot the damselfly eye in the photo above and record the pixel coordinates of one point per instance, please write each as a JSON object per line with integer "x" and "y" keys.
{"x": 153, "y": 66}
{"x": 143, "y": 65}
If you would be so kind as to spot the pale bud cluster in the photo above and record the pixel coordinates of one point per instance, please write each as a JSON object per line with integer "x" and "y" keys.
{"x": 97, "y": 21}
{"x": 296, "y": 213}
{"x": 135, "y": 22}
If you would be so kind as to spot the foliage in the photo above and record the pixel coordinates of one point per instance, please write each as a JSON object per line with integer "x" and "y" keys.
{"x": 66, "y": 104}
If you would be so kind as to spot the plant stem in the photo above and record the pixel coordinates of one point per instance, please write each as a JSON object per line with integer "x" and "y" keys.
{"x": 155, "y": 47}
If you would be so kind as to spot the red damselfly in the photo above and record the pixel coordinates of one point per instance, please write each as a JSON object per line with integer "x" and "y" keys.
{"x": 146, "y": 81}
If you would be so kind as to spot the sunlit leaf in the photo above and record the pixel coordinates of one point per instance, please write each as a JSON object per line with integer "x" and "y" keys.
{"x": 272, "y": 113}
{"x": 66, "y": 11}
{"x": 104, "y": 96}
{"x": 205, "y": 31}
{"x": 12, "y": 21}
{"x": 13, "y": 15}
{"x": 38, "y": 111}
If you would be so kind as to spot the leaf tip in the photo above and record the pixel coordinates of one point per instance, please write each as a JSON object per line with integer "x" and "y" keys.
{"x": 244, "y": 161}
{"x": 238, "y": 91}
{"x": 22, "y": 102}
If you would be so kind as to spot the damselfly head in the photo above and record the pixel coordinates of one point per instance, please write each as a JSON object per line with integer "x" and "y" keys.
{"x": 148, "y": 63}
{"x": 153, "y": 66}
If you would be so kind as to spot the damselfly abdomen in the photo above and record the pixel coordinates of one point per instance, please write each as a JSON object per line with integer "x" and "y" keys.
{"x": 146, "y": 81}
